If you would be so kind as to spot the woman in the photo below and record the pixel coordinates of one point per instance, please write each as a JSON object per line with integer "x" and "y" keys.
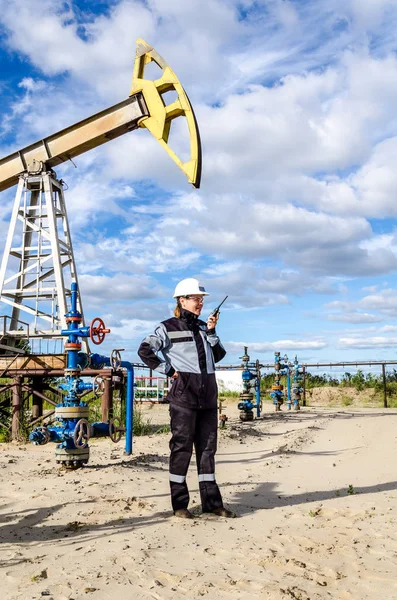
{"x": 186, "y": 349}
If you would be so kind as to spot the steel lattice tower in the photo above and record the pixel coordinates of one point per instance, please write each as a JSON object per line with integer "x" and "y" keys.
{"x": 38, "y": 265}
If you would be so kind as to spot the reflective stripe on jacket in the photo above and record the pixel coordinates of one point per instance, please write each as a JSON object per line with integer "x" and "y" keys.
{"x": 185, "y": 345}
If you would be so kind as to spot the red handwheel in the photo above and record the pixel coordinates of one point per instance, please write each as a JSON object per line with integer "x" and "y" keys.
{"x": 98, "y": 331}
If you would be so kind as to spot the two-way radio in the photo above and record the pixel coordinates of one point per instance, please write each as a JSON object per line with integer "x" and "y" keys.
{"x": 216, "y": 310}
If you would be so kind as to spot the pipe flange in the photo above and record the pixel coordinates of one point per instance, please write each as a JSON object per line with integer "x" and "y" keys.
{"x": 73, "y": 372}
{"x": 246, "y": 396}
{"x": 72, "y": 412}
{"x": 72, "y": 458}
{"x": 72, "y": 346}
{"x": 67, "y": 454}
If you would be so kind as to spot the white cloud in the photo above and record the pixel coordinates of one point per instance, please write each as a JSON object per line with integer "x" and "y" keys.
{"x": 32, "y": 85}
{"x": 131, "y": 329}
{"x": 388, "y": 329}
{"x": 136, "y": 254}
{"x": 369, "y": 192}
{"x": 201, "y": 26}
{"x": 370, "y": 288}
{"x": 99, "y": 289}
{"x": 264, "y": 228}
{"x": 55, "y": 46}
{"x": 383, "y": 304}
{"x": 385, "y": 301}
{"x": 255, "y": 285}
{"x": 368, "y": 342}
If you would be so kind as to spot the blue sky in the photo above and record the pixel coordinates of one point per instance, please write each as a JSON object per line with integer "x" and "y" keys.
{"x": 296, "y": 216}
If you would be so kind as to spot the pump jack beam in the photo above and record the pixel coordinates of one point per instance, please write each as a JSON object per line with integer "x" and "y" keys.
{"x": 145, "y": 107}
{"x": 72, "y": 141}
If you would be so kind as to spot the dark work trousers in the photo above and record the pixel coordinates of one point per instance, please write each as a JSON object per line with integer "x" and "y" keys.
{"x": 199, "y": 427}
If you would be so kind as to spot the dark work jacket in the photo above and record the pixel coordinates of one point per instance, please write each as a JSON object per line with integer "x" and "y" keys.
{"x": 188, "y": 347}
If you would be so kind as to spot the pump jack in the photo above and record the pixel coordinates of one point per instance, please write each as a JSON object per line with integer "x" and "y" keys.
{"x": 40, "y": 280}
{"x": 38, "y": 272}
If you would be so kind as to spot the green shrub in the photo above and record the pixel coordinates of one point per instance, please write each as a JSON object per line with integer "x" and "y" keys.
{"x": 228, "y": 394}
{"x": 315, "y": 380}
{"x": 346, "y": 401}
{"x": 5, "y": 435}
{"x": 141, "y": 427}
{"x": 163, "y": 429}
{"x": 358, "y": 381}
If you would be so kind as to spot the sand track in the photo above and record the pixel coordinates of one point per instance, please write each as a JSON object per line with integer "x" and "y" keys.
{"x": 316, "y": 493}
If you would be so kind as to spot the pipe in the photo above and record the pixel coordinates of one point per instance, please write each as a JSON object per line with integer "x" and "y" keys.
{"x": 129, "y": 410}
{"x": 258, "y": 397}
{"x": 97, "y": 359}
{"x": 37, "y": 402}
{"x": 384, "y": 386}
{"x": 43, "y": 397}
{"x": 353, "y": 363}
{"x": 107, "y": 399}
{"x": 47, "y": 414}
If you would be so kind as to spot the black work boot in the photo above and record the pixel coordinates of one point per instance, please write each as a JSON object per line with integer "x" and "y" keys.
{"x": 183, "y": 513}
{"x": 223, "y": 512}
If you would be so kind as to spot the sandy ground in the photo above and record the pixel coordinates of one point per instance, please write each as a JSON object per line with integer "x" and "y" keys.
{"x": 315, "y": 492}
{"x": 334, "y": 397}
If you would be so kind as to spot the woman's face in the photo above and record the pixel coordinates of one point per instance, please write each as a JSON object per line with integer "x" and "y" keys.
{"x": 192, "y": 303}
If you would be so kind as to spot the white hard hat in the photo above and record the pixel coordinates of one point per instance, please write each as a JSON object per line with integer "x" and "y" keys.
{"x": 188, "y": 287}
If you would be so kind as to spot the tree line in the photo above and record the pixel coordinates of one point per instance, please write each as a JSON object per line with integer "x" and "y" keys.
{"x": 358, "y": 380}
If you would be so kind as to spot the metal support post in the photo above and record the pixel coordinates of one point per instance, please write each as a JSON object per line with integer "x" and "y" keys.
{"x": 16, "y": 408}
{"x": 384, "y": 386}
{"x": 258, "y": 397}
{"x": 107, "y": 400}
{"x": 37, "y": 402}
{"x": 129, "y": 414}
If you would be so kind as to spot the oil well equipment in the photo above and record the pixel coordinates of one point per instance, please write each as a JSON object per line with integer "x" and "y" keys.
{"x": 38, "y": 272}
{"x": 251, "y": 380}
